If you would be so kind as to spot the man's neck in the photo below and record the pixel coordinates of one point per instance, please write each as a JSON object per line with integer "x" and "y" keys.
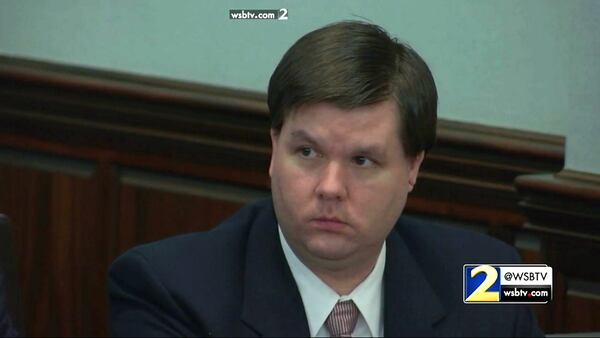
{"x": 342, "y": 276}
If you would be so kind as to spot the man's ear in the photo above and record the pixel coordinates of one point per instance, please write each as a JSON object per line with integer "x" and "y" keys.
{"x": 274, "y": 139}
{"x": 413, "y": 169}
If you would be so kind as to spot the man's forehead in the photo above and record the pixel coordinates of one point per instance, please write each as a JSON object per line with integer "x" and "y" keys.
{"x": 389, "y": 104}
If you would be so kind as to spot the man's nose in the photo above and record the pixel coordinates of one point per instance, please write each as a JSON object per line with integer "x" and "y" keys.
{"x": 332, "y": 183}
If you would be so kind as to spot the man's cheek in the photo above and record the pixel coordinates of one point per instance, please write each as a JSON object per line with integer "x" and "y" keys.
{"x": 296, "y": 176}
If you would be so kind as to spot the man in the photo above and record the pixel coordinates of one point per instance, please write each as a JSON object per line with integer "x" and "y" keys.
{"x": 353, "y": 113}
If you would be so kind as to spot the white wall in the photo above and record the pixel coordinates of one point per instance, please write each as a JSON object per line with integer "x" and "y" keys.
{"x": 529, "y": 65}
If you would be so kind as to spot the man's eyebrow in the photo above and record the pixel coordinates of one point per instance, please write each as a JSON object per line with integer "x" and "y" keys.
{"x": 372, "y": 150}
{"x": 375, "y": 150}
{"x": 302, "y": 135}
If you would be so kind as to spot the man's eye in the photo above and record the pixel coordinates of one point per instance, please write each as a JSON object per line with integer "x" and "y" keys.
{"x": 363, "y": 161}
{"x": 307, "y": 152}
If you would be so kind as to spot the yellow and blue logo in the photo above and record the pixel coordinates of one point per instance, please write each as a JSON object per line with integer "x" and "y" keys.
{"x": 482, "y": 283}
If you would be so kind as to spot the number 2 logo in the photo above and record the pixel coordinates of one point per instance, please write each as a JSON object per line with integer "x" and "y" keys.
{"x": 482, "y": 293}
{"x": 283, "y": 14}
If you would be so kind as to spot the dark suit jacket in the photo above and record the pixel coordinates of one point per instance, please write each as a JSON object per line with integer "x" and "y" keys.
{"x": 7, "y": 327}
{"x": 234, "y": 281}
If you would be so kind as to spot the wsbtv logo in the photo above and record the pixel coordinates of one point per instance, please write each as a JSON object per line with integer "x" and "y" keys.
{"x": 507, "y": 283}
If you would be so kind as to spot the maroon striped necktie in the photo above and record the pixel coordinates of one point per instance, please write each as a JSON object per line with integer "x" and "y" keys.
{"x": 342, "y": 319}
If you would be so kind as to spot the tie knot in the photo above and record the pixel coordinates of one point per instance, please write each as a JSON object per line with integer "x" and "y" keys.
{"x": 342, "y": 319}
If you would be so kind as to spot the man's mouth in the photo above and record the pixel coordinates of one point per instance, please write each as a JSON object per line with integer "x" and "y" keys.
{"x": 328, "y": 223}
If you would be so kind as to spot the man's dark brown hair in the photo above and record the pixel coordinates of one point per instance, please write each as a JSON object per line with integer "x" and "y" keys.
{"x": 352, "y": 64}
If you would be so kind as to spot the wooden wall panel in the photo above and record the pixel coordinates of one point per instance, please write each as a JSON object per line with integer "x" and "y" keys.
{"x": 469, "y": 174}
{"x": 563, "y": 210}
{"x": 155, "y": 206}
{"x": 54, "y": 203}
{"x": 582, "y": 313}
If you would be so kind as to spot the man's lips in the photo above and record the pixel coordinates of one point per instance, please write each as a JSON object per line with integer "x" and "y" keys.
{"x": 328, "y": 223}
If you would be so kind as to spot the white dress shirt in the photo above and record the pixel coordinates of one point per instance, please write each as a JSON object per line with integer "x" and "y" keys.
{"x": 319, "y": 299}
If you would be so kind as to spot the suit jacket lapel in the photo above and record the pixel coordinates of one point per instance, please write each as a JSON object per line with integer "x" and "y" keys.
{"x": 272, "y": 305}
{"x": 411, "y": 307}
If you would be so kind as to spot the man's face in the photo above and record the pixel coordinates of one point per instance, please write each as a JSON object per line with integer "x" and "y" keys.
{"x": 339, "y": 180}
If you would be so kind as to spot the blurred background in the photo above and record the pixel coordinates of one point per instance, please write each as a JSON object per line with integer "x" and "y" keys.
{"x": 123, "y": 122}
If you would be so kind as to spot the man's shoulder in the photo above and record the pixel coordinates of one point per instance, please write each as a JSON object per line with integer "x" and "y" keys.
{"x": 188, "y": 282}
{"x": 195, "y": 260}
{"x": 446, "y": 243}
{"x": 441, "y": 250}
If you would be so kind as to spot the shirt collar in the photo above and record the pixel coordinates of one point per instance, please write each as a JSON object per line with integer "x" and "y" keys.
{"x": 319, "y": 299}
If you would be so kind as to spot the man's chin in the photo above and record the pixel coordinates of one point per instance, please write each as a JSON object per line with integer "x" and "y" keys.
{"x": 329, "y": 251}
